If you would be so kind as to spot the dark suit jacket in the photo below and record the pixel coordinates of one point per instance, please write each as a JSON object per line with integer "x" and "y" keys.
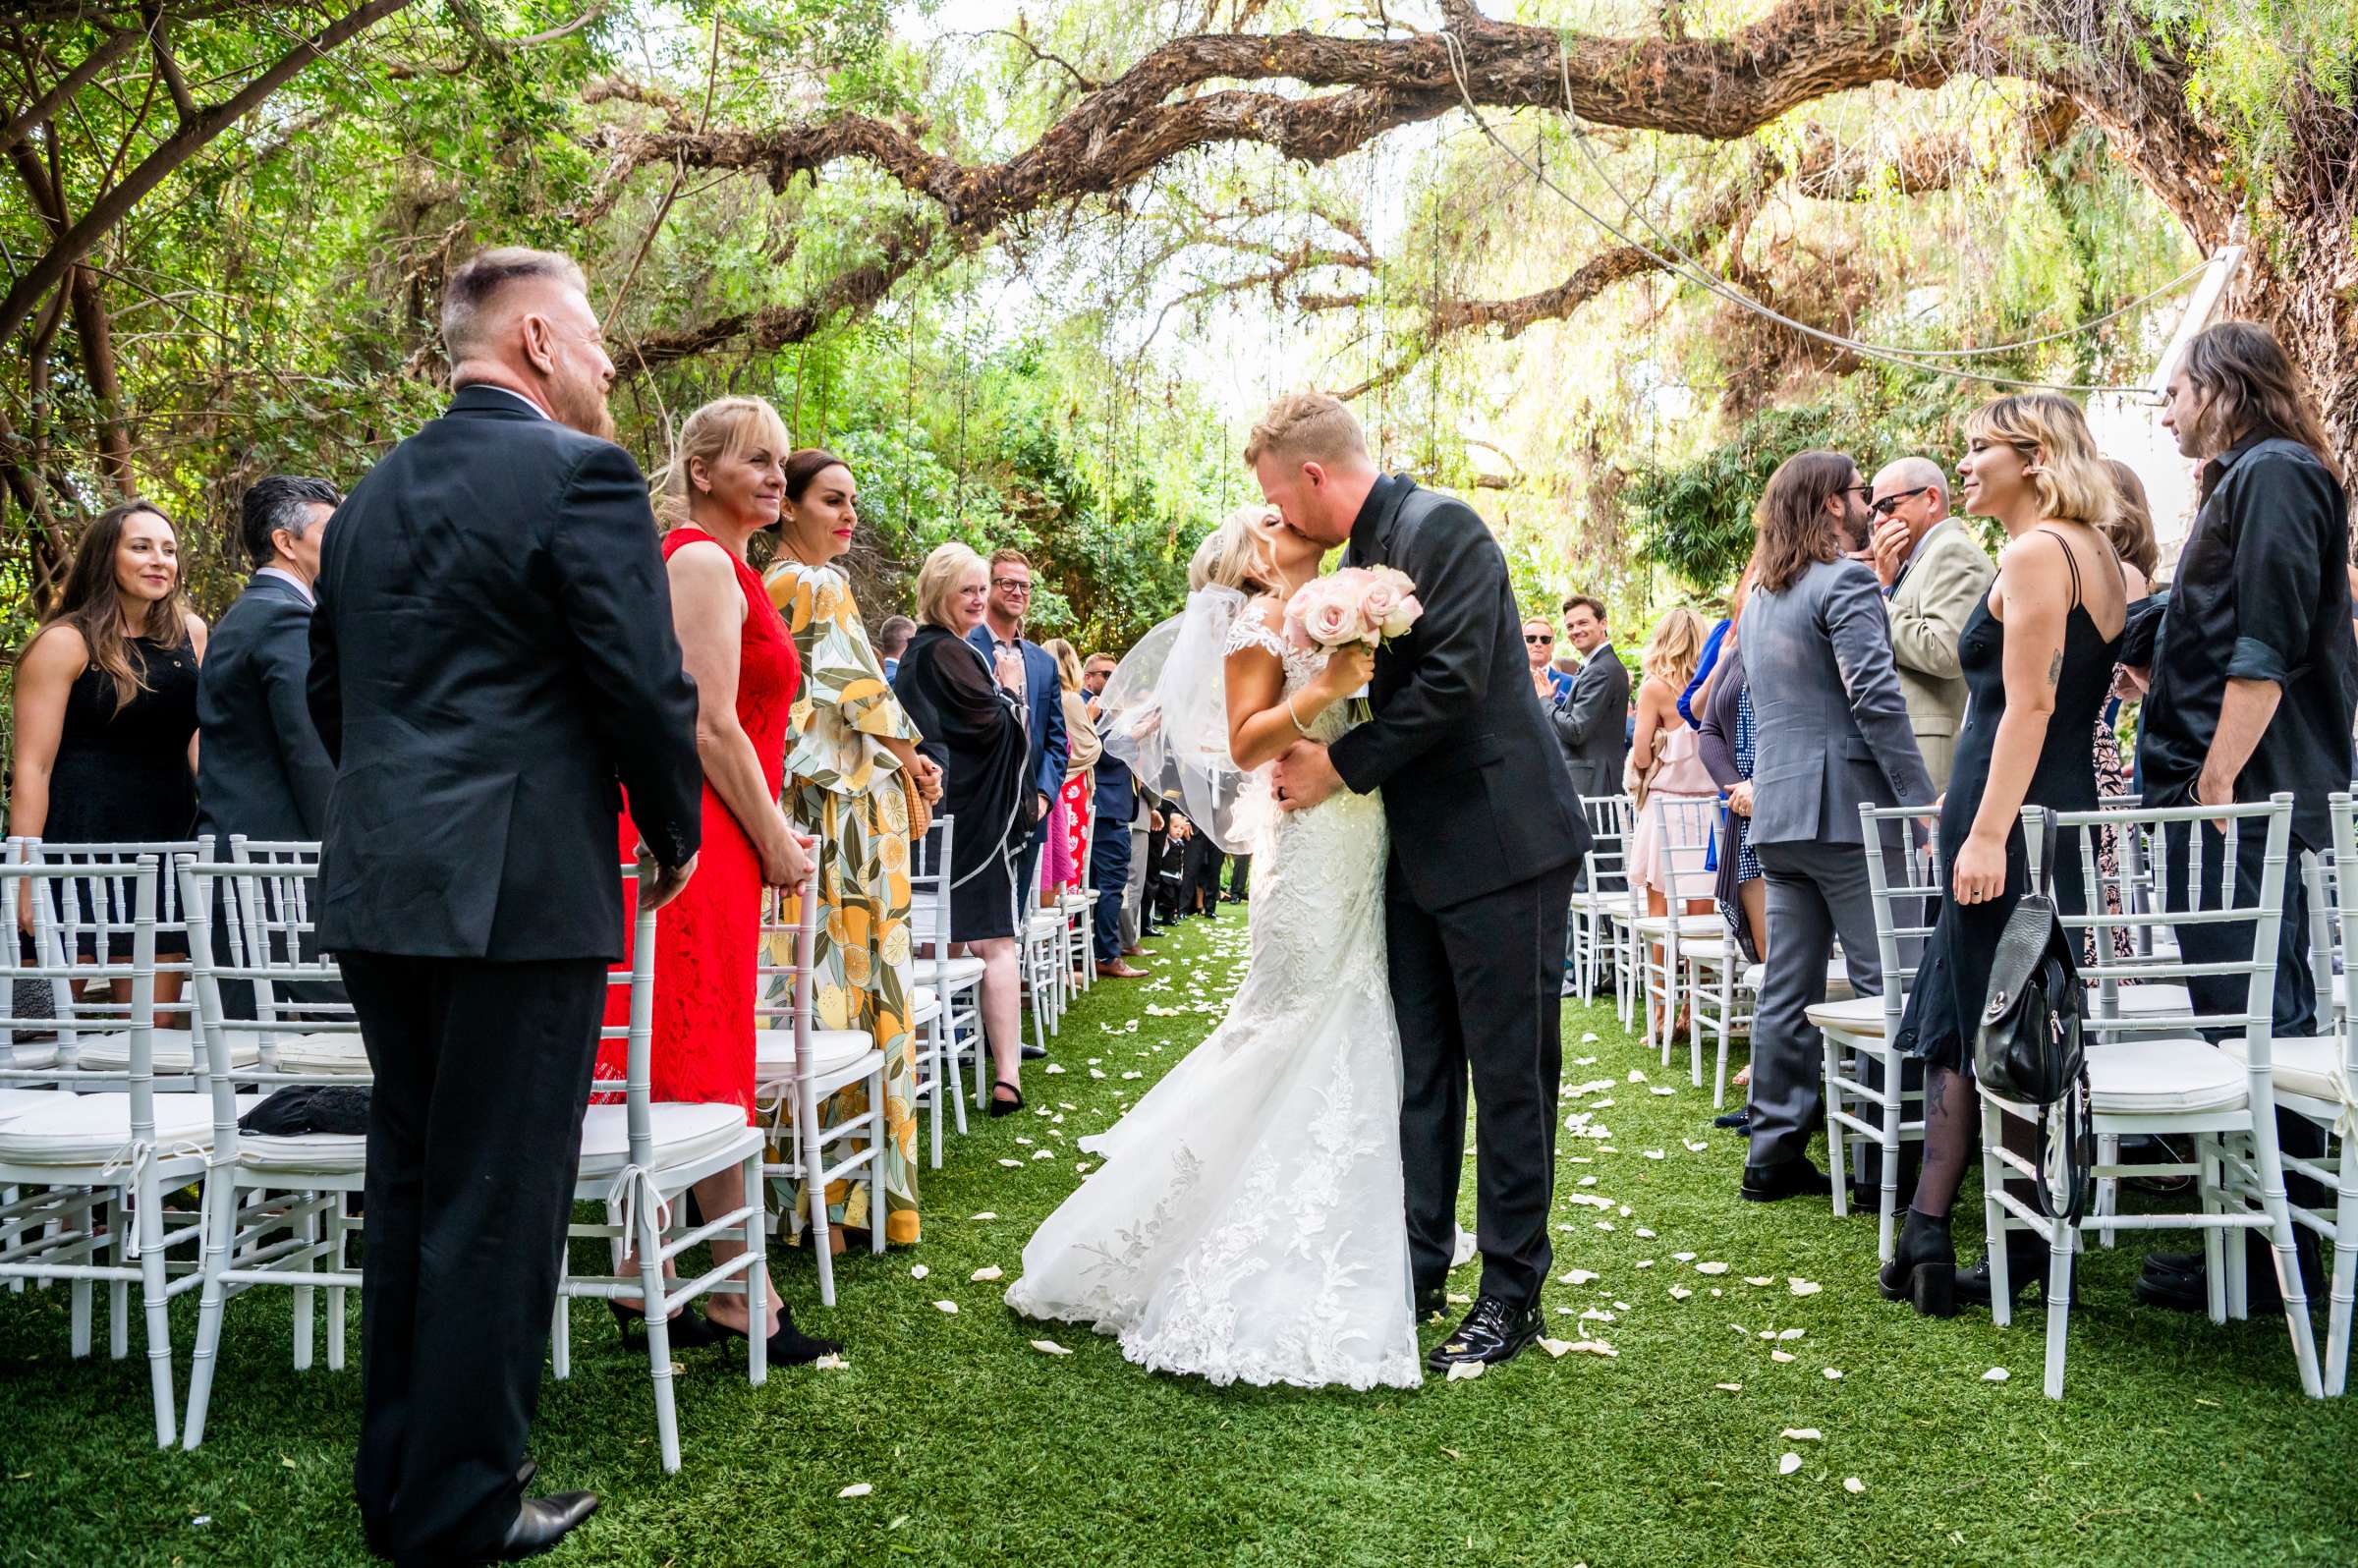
{"x": 492, "y": 651}
{"x": 261, "y": 769}
{"x": 1590, "y": 724}
{"x": 1043, "y": 702}
{"x": 1474, "y": 786}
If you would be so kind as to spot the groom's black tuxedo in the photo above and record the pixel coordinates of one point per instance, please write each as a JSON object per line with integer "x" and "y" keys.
{"x": 1487, "y": 836}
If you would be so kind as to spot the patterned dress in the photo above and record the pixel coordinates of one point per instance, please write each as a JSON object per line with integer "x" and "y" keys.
{"x": 841, "y": 785}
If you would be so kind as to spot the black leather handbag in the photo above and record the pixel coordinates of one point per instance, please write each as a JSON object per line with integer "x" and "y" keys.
{"x": 2029, "y": 1048}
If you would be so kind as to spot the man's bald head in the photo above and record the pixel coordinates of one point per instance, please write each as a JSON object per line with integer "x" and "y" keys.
{"x": 1911, "y": 473}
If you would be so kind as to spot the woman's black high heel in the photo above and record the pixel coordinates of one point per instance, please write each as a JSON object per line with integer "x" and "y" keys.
{"x": 1006, "y": 1108}
{"x": 1924, "y": 1267}
{"x": 690, "y": 1329}
{"x": 789, "y": 1346}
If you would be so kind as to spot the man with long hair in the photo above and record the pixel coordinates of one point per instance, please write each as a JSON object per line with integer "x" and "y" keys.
{"x": 2253, "y": 682}
{"x": 1833, "y": 730}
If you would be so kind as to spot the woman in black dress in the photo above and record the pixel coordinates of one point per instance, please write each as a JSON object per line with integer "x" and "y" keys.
{"x": 106, "y": 699}
{"x": 973, "y": 722}
{"x": 2036, "y": 656}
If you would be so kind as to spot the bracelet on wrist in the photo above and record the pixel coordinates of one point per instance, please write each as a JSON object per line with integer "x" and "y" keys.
{"x": 1299, "y": 728}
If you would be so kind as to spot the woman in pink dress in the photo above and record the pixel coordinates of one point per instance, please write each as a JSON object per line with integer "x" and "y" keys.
{"x": 1665, "y": 757}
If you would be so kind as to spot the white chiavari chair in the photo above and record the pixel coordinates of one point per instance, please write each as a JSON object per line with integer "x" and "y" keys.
{"x": 1600, "y": 900}
{"x": 91, "y": 1167}
{"x": 2156, "y": 1073}
{"x": 1868, "y": 1100}
{"x": 1681, "y": 829}
{"x": 1078, "y": 906}
{"x": 947, "y": 989}
{"x": 1039, "y": 939}
{"x": 799, "y": 1067}
{"x": 275, "y": 1210}
{"x": 637, "y": 1159}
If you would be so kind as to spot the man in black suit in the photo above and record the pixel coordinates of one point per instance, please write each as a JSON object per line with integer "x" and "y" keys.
{"x": 1486, "y": 838}
{"x": 261, "y": 769}
{"x": 492, "y": 650}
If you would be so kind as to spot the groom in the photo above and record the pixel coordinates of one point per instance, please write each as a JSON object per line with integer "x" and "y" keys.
{"x": 1487, "y": 836}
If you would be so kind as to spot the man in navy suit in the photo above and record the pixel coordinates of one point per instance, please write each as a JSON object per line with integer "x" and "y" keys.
{"x": 262, "y": 771}
{"x": 1002, "y": 627}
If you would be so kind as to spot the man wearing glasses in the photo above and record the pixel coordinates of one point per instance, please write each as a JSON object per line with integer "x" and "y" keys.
{"x": 1539, "y": 645}
{"x": 1592, "y": 714}
{"x": 1932, "y": 571}
{"x": 1002, "y": 627}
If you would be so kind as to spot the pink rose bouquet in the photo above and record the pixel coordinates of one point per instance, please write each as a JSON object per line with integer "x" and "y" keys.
{"x": 1356, "y": 605}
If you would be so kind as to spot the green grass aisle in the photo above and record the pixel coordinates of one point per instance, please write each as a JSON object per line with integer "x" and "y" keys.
{"x": 2180, "y": 1443}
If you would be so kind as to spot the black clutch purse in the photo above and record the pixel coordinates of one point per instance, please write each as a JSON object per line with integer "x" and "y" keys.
{"x": 2029, "y": 1047}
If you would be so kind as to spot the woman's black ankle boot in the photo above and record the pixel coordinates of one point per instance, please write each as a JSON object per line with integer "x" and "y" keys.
{"x": 1924, "y": 1267}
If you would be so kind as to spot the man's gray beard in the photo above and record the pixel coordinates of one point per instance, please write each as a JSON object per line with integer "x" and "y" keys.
{"x": 583, "y": 407}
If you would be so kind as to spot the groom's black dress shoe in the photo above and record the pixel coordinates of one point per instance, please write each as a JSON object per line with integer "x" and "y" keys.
{"x": 541, "y": 1522}
{"x": 1492, "y": 1333}
{"x": 1793, "y": 1178}
{"x": 1430, "y": 1304}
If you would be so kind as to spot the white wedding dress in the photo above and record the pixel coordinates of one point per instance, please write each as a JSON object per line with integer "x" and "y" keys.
{"x": 1247, "y": 1225}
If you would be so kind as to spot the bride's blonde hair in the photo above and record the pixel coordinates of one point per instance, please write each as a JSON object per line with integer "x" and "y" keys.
{"x": 1233, "y": 556}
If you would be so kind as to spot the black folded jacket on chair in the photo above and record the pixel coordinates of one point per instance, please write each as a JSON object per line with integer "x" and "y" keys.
{"x": 307, "y": 1108}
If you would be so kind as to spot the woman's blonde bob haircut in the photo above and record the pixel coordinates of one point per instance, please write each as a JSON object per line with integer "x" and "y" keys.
{"x": 1674, "y": 649}
{"x": 1232, "y": 555}
{"x": 938, "y": 578}
{"x": 723, "y": 427}
{"x": 2072, "y": 483}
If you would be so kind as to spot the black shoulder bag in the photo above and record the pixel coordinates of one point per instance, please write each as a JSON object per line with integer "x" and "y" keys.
{"x": 2029, "y": 1048}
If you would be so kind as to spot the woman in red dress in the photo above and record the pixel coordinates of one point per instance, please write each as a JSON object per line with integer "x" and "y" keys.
{"x": 725, "y": 486}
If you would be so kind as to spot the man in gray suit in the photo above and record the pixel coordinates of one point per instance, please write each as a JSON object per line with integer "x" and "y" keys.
{"x": 1933, "y": 571}
{"x": 1592, "y": 718}
{"x": 1832, "y": 732}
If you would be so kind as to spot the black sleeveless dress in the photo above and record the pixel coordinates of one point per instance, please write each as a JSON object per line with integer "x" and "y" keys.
{"x": 122, "y": 775}
{"x": 1945, "y": 1005}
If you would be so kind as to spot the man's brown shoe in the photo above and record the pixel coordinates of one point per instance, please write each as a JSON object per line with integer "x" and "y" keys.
{"x": 1138, "y": 952}
{"x": 1117, "y": 970}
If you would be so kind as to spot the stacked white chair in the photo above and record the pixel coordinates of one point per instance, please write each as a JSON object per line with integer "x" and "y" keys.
{"x": 96, "y": 910}
{"x": 1040, "y": 948}
{"x": 637, "y": 1159}
{"x": 91, "y": 1167}
{"x": 796, "y": 1068}
{"x": 1598, "y": 902}
{"x": 1079, "y": 906}
{"x": 948, "y": 1005}
{"x": 275, "y": 1208}
{"x": 1859, "y": 1032}
{"x": 2221, "y": 1100}
{"x": 1681, "y": 828}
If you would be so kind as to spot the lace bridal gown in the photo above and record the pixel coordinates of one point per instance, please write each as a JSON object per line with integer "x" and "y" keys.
{"x": 1246, "y": 1224}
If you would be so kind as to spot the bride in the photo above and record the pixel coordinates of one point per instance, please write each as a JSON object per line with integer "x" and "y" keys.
{"x": 1247, "y": 1225}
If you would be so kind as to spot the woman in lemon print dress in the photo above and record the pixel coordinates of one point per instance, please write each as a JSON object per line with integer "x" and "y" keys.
{"x": 851, "y": 744}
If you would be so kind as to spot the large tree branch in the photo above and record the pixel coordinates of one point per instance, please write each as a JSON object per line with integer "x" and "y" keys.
{"x": 191, "y": 135}
{"x": 113, "y": 47}
{"x": 774, "y": 326}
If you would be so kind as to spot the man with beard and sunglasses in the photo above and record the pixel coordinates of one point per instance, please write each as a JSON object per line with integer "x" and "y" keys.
{"x": 1933, "y": 571}
{"x": 492, "y": 662}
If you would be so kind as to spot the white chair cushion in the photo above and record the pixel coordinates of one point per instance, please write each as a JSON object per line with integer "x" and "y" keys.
{"x": 2147, "y": 1001}
{"x": 1704, "y": 949}
{"x": 1838, "y": 980}
{"x": 1688, "y": 924}
{"x": 1852, "y": 1015}
{"x": 833, "y": 1049}
{"x": 1045, "y": 924}
{"x": 94, "y": 1129}
{"x": 1614, "y": 900}
{"x": 2299, "y": 1064}
{"x": 925, "y": 1003}
{"x": 30, "y": 1057}
{"x": 681, "y": 1134}
{"x": 323, "y": 1053}
{"x": 15, "y": 1103}
{"x": 172, "y": 1050}
{"x": 305, "y": 1154}
{"x": 2157, "y": 1076}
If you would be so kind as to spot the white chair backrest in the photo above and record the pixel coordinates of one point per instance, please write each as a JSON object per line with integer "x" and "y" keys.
{"x": 635, "y": 1184}
{"x": 249, "y": 920}
{"x": 930, "y": 893}
{"x": 45, "y": 886}
{"x": 1608, "y": 825}
{"x": 1904, "y": 875}
{"x": 2263, "y": 828}
{"x": 1683, "y": 827}
{"x": 95, "y": 909}
{"x": 2343, "y": 809}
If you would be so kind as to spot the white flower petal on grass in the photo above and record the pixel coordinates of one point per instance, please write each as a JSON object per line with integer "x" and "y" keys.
{"x": 1996, "y": 1374}
{"x": 1695, "y": 1146}
{"x": 1635, "y": 1077}
{"x": 1052, "y": 1069}
{"x": 1710, "y": 1268}
{"x": 1756, "y": 1279}
{"x": 989, "y": 1271}
{"x": 1803, "y": 1287}
{"x": 1730, "y": 1388}
{"x": 1853, "y": 1485}
{"x": 1044, "y": 1154}
{"x": 1684, "y": 1258}
{"x": 1768, "y": 1333}
{"x": 1786, "y": 1464}
{"x": 1049, "y": 1347}
{"x": 1643, "y": 1263}
{"x": 1134, "y": 1074}
{"x": 1590, "y": 1038}
{"x": 1097, "y": 1072}
{"x": 1583, "y": 1061}
{"x": 1791, "y": 1333}
{"x": 1653, "y": 1154}
{"x": 1587, "y": 1181}
{"x": 1833, "y": 1374}
{"x": 1643, "y": 1232}
{"x": 1662, "y": 1089}
{"x": 1556, "y": 1348}
{"x": 1081, "y": 1169}
{"x": 985, "y": 1214}
{"x": 1801, "y": 1434}
{"x": 1462, "y": 1370}
{"x": 1580, "y": 1276}
{"x": 1604, "y": 1224}
{"x": 1780, "y": 1355}
{"x": 1680, "y": 1293}
{"x": 1025, "y": 1142}
{"x": 1457, "y": 1299}
{"x": 1012, "y": 1165}
{"x": 857, "y": 1489}
{"x": 949, "y": 1306}
{"x": 830, "y": 1362}
{"x": 1595, "y": 1347}
{"x": 919, "y": 1270}
{"x": 1621, "y": 1306}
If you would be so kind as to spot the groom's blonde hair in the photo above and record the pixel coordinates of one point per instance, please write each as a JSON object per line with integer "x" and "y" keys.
{"x": 1307, "y": 426}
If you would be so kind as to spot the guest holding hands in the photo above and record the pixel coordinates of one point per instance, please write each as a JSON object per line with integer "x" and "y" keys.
{"x": 854, "y": 759}
{"x": 968, "y": 704}
{"x": 725, "y": 484}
